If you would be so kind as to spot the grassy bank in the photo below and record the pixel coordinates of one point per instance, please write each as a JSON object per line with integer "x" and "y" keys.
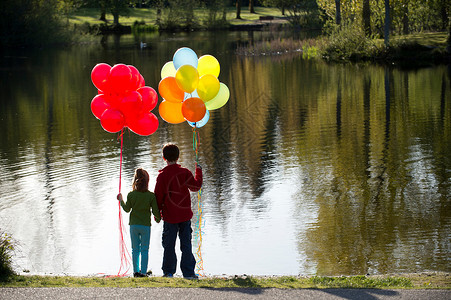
{"x": 402, "y": 281}
{"x": 149, "y": 16}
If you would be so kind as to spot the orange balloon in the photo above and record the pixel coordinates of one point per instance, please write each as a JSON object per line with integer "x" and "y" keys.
{"x": 170, "y": 91}
{"x": 193, "y": 109}
{"x": 171, "y": 112}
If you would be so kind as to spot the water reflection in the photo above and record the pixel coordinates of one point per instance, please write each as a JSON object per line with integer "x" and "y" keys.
{"x": 309, "y": 169}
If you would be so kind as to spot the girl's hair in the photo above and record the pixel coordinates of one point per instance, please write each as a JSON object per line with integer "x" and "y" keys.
{"x": 141, "y": 180}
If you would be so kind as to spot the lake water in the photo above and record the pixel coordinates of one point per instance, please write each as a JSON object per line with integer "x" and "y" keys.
{"x": 310, "y": 168}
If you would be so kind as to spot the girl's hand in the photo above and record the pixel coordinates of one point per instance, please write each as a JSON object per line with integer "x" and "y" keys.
{"x": 119, "y": 197}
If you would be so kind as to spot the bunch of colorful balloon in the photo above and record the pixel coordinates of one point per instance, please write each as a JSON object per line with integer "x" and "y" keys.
{"x": 190, "y": 88}
{"x": 123, "y": 100}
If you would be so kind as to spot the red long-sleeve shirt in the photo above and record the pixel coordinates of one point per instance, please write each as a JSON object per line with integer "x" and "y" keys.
{"x": 172, "y": 192}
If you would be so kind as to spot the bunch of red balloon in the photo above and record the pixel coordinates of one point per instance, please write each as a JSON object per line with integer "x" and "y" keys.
{"x": 123, "y": 100}
{"x": 190, "y": 88}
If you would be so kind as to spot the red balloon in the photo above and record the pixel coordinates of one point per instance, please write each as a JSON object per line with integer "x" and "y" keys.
{"x": 99, "y": 105}
{"x": 120, "y": 78}
{"x": 136, "y": 77}
{"x": 193, "y": 109}
{"x": 145, "y": 124}
{"x": 112, "y": 120}
{"x": 99, "y": 76}
{"x": 149, "y": 97}
{"x": 142, "y": 82}
{"x": 131, "y": 104}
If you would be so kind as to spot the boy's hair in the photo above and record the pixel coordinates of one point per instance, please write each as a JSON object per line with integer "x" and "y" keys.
{"x": 141, "y": 180}
{"x": 171, "y": 152}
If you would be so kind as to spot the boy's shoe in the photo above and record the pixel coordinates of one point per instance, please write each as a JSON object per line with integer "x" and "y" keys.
{"x": 137, "y": 274}
{"x": 193, "y": 277}
{"x": 169, "y": 275}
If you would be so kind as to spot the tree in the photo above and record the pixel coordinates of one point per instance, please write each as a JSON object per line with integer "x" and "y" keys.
{"x": 366, "y": 16}
{"x": 251, "y": 7}
{"x": 405, "y": 17}
{"x": 387, "y": 23}
{"x": 118, "y": 8}
{"x": 32, "y": 22}
{"x": 238, "y": 9}
{"x": 337, "y": 12}
{"x": 103, "y": 5}
{"x": 280, "y": 4}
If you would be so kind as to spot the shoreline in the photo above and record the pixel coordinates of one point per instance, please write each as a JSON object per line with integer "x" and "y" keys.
{"x": 420, "y": 280}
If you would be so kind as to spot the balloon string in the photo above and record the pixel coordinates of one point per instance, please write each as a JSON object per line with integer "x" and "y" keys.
{"x": 196, "y": 139}
{"x": 123, "y": 251}
{"x": 199, "y": 223}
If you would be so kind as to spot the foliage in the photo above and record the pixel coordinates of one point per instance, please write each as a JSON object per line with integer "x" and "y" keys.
{"x": 348, "y": 42}
{"x": 217, "y": 14}
{"x": 139, "y": 27}
{"x": 180, "y": 15}
{"x": 6, "y": 251}
{"x": 303, "y": 13}
{"x": 417, "y": 15}
{"x": 32, "y": 23}
{"x": 300, "y": 12}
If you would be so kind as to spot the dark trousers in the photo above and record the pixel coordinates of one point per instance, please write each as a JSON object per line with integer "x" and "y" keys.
{"x": 188, "y": 262}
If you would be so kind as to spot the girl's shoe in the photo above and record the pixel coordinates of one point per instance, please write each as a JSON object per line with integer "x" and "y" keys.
{"x": 137, "y": 274}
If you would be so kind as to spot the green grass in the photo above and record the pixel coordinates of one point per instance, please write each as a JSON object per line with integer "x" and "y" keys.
{"x": 283, "y": 282}
{"x": 433, "y": 39}
{"x": 149, "y": 15}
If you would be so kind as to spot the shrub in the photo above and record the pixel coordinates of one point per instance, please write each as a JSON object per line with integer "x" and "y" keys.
{"x": 6, "y": 251}
{"x": 348, "y": 42}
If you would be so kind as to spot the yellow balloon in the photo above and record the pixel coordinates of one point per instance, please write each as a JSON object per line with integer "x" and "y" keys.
{"x": 171, "y": 112}
{"x": 168, "y": 70}
{"x": 208, "y": 87}
{"x": 220, "y": 99}
{"x": 187, "y": 78}
{"x": 208, "y": 64}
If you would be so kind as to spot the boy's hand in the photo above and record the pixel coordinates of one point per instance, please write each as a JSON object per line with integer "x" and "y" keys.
{"x": 198, "y": 166}
{"x": 119, "y": 197}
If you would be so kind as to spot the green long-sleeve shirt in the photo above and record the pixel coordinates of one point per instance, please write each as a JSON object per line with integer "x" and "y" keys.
{"x": 141, "y": 204}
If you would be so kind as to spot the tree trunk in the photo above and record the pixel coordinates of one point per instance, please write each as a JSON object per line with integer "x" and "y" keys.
{"x": 238, "y": 9}
{"x": 405, "y": 18}
{"x": 251, "y": 7}
{"x": 366, "y": 12}
{"x": 102, "y": 16}
{"x": 444, "y": 14}
{"x": 115, "y": 19}
{"x": 337, "y": 12}
{"x": 387, "y": 23}
{"x": 102, "y": 11}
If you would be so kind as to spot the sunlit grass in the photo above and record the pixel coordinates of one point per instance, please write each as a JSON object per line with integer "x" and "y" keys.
{"x": 434, "y": 39}
{"x": 231, "y": 282}
{"x": 149, "y": 15}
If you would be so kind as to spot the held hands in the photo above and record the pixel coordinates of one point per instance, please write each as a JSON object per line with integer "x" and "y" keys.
{"x": 119, "y": 197}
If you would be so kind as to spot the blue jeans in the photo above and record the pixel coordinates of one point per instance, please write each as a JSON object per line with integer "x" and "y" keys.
{"x": 140, "y": 235}
{"x": 188, "y": 262}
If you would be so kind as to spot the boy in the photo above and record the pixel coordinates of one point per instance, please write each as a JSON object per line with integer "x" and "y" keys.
{"x": 172, "y": 191}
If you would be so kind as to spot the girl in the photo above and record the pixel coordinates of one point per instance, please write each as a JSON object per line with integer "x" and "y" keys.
{"x": 141, "y": 202}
